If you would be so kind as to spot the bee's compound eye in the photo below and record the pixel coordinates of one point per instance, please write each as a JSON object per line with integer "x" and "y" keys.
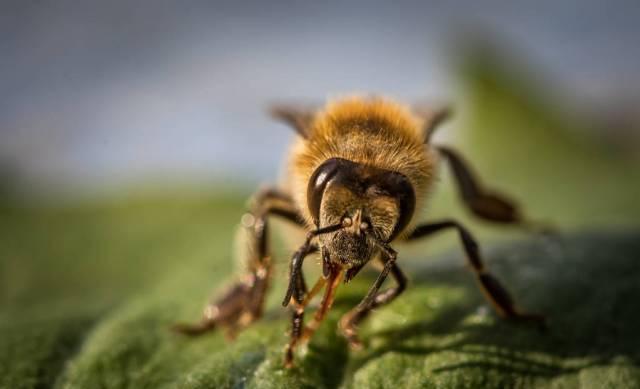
{"x": 347, "y": 222}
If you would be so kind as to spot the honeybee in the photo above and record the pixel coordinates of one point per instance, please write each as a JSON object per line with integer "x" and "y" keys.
{"x": 358, "y": 174}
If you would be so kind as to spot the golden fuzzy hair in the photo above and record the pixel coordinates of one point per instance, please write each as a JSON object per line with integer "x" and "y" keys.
{"x": 371, "y": 131}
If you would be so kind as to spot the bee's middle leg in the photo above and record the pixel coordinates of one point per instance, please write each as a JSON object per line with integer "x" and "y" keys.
{"x": 243, "y": 302}
{"x": 493, "y": 290}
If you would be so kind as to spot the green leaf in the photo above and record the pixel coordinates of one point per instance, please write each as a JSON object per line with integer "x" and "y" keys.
{"x": 440, "y": 333}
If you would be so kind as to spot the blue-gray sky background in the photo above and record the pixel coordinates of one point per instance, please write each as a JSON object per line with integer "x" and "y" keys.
{"x": 96, "y": 94}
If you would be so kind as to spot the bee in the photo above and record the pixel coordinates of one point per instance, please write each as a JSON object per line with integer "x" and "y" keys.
{"x": 358, "y": 174}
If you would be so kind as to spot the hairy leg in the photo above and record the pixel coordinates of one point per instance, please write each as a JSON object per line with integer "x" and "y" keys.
{"x": 243, "y": 302}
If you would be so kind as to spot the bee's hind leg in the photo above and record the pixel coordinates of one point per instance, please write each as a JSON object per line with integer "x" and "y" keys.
{"x": 487, "y": 204}
{"x": 243, "y": 302}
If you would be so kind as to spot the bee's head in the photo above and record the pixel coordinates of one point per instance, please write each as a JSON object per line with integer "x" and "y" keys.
{"x": 369, "y": 203}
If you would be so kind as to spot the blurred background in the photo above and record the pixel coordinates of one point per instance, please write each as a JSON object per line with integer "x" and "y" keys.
{"x": 103, "y": 95}
{"x": 131, "y": 134}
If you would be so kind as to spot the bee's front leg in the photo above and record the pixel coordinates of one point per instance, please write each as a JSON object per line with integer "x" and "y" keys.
{"x": 374, "y": 298}
{"x": 300, "y": 333}
{"x": 296, "y": 294}
{"x": 297, "y": 322}
{"x": 299, "y": 297}
{"x": 297, "y": 287}
{"x": 243, "y": 302}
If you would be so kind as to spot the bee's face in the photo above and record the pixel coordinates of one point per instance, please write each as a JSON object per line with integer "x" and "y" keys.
{"x": 362, "y": 216}
{"x": 369, "y": 203}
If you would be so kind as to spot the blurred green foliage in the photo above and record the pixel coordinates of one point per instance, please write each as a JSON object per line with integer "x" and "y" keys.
{"x": 526, "y": 139}
{"x": 87, "y": 292}
{"x": 104, "y": 323}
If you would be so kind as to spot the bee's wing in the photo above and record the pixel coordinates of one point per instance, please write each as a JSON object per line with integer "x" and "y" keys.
{"x": 298, "y": 117}
{"x": 432, "y": 116}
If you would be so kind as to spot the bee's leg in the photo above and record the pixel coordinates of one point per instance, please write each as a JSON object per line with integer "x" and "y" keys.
{"x": 297, "y": 294}
{"x": 349, "y": 322}
{"x": 225, "y": 311}
{"x": 332, "y": 281}
{"x": 484, "y": 203}
{"x": 297, "y": 321}
{"x": 243, "y": 302}
{"x": 297, "y": 287}
{"x": 493, "y": 290}
{"x": 297, "y": 291}
{"x": 297, "y": 333}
